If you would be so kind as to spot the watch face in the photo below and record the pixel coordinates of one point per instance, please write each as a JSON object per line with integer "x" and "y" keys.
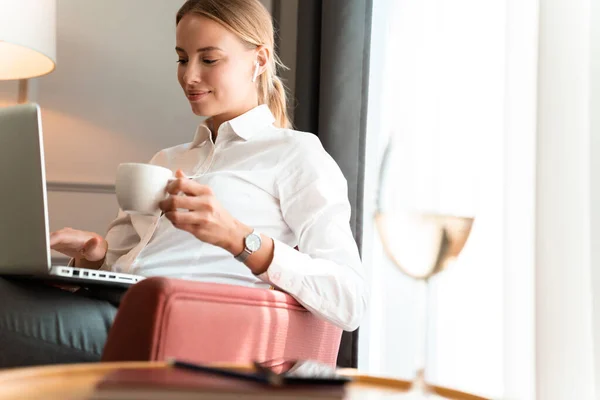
{"x": 253, "y": 242}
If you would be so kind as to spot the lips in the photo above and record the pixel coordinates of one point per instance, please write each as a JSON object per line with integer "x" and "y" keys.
{"x": 197, "y": 95}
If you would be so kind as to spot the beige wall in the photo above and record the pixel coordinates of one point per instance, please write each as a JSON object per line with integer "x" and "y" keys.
{"x": 113, "y": 98}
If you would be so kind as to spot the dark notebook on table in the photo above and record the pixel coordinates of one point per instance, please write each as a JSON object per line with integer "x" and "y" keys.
{"x": 181, "y": 384}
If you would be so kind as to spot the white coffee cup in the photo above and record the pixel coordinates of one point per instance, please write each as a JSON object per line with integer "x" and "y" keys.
{"x": 141, "y": 187}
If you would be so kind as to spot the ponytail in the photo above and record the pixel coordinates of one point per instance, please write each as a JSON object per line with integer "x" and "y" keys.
{"x": 272, "y": 93}
{"x": 277, "y": 103}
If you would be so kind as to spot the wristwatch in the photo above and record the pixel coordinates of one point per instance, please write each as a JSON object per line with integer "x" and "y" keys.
{"x": 252, "y": 244}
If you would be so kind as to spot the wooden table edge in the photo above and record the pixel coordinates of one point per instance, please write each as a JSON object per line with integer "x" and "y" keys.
{"x": 394, "y": 383}
{"x": 47, "y": 371}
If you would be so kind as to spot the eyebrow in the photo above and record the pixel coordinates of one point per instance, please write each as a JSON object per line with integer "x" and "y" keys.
{"x": 200, "y": 50}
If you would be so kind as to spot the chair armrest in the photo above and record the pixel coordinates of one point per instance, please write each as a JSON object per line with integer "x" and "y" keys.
{"x": 160, "y": 318}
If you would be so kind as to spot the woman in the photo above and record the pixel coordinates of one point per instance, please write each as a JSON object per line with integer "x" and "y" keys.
{"x": 259, "y": 189}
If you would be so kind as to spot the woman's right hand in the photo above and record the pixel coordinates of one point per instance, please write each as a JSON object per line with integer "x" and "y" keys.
{"x": 80, "y": 245}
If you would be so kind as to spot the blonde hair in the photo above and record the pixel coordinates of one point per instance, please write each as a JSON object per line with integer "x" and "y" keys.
{"x": 252, "y": 23}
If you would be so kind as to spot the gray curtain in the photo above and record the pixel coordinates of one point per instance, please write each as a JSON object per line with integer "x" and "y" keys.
{"x": 332, "y": 65}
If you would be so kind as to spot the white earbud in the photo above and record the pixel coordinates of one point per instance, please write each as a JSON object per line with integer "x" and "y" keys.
{"x": 256, "y": 68}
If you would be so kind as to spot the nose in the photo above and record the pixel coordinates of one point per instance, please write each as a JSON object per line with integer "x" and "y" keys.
{"x": 192, "y": 74}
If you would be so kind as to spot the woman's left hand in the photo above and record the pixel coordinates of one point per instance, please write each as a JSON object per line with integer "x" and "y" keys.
{"x": 206, "y": 218}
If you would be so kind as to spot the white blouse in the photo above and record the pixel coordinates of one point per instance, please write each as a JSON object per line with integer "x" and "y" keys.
{"x": 280, "y": 182}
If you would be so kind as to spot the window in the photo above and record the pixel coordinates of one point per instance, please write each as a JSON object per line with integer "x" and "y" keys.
{"x": 438, "y": 88}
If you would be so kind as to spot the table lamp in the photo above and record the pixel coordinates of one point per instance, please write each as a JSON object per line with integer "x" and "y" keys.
{"x": 27, "y": 41}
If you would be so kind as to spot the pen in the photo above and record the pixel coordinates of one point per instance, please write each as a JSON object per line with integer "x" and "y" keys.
{"x": 227, "y": 373}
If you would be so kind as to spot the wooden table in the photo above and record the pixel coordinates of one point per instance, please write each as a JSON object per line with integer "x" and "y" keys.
{"x": 77, "y": 381}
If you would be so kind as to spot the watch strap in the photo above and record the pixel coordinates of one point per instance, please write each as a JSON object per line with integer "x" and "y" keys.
{"x": 243, "y": 256}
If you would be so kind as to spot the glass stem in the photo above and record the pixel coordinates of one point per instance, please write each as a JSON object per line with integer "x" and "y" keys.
{"x": 424, "y": 315}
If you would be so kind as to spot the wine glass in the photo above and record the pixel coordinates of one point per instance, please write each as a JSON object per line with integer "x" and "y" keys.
{"x": 421, "y": 244}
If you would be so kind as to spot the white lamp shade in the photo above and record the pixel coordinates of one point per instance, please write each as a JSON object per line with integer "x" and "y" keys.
{"x": 27, "y": 38}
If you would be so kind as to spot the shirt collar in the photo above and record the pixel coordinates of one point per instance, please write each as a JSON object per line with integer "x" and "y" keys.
{"x": 245, "y": 126}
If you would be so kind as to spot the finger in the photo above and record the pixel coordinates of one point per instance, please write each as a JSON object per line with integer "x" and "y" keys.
{"x": 180, "y": 174}
{"x": 60, "y": 236}
{"x": 90, "y": 245}
{"x": 191, "y": 228}
{"x": 188, "y": 187}
{"x": 66, "y": 250}
{"x": 172, "y": 203}
{"x": 92, "y": 249}
{"x": 192, "y": 218}
{"x": 55, "y": 238}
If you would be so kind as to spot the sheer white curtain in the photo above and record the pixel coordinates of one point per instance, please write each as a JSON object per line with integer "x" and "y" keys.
{"x": 444, "y": 77}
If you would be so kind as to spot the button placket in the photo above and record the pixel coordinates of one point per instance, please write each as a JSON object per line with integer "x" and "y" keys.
{"x": 198, "y": 166}
{"x": 200, "y": 169}
{"x": 143, "y": 243}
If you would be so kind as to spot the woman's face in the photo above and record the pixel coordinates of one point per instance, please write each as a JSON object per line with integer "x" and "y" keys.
{"x": 215, "y": 68}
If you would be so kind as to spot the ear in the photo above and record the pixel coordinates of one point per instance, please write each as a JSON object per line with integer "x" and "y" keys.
{"x": 262, "y": 57}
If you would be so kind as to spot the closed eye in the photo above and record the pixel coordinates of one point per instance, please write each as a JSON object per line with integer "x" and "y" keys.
{"x": 182, "y": 61}
{"x": 209, "y": 62}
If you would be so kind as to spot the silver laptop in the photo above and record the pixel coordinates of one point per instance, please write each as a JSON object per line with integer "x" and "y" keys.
{"x": 24, "y": 233}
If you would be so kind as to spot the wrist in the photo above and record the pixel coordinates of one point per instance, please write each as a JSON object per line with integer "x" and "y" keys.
{"x": 236, "y": 239}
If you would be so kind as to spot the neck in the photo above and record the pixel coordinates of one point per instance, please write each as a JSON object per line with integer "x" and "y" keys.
{"x": 215, "y": 122}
